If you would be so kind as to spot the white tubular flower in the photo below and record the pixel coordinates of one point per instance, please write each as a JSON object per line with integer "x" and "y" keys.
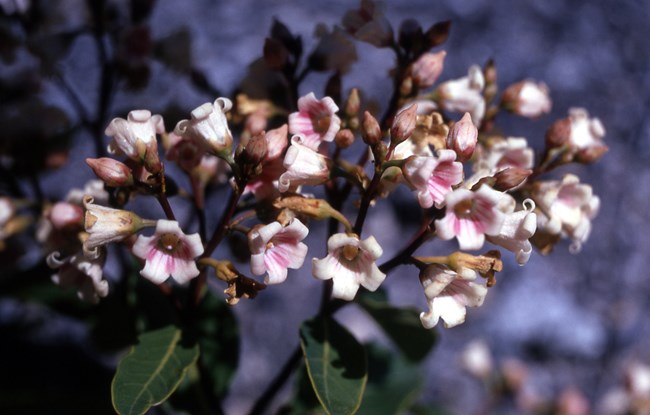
{"x": 140, "y": 126}
{"x": 448, "y": 295}
{"x": 208, "y": 124}
{"x": 275, "y": 248}
{"x": 80, "y": 272}
{"x": 350, "y": 262}
{"x": 470, "y": 216}
{"x": 315, "y": 120}
{"x": 464, "y": 94}
{"x": 569, "y": 207}
{"x": 517, "y": 228}
{"x": 168, "y": 252}
{"x": 105, "y": 225}
{"x": 304, "y": 166}
{"x": 508, "y": 153}
{"x": 433, "y": 177}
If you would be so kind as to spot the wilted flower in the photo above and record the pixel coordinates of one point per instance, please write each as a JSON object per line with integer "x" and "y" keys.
{"x": 274, "y": 248}
{"x": 304, "y": 166}
{"x": 433, "y": 177}
{"x": 448, "y": 294}
{"x": 315, "y": 120}
{"x": 350, "y": 262}
{"x": 168, "y": 252}
{"x": 528, "y": 99}
{"x": 208, "y": 123}
{"x": 105, "y": 225}
{"x": 82, "y": 273}
{"x": 470, "y": 216}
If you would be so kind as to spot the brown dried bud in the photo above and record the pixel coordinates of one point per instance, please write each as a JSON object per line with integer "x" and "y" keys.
{"x": 344, "y": 138}
{"x": 371, "y": 132}
{"x": 403, "y": 124}
{"x": 510, "y": 178}
{"x": 111, "y": 172}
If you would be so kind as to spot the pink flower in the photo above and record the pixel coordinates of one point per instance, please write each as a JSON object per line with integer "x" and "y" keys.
{"x": 449, "y": 294}
{"x": 304, "y": 166}
{"x": 518, "y": 227}
{"x": 315, "y": 120}
{"x": 503, "y": 154}
{"x": 187, "y": 151}
{"x": 135, "y": 134}
{"x": 464, "y": 94}
{"x": 208, "y": 125}
{"x": 427, "y": 68}
{"x": 470, "y": 216}
{"x": 528, "y": 99}
{"x": 275, "y": 248}
{"x": 262, "y": 185}
{"x": 433, "y": 177}
{"x": 568, "y": 208}
{"x": 350, "y": 262}
{"x": 168, "y": 252}
{"x": 82, "y": 273}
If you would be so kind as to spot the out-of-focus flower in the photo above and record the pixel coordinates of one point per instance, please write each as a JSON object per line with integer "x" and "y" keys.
{"x": 572, "y": 402}
{"x": 208, "y": 124}
{"x": 464, "y": 94}
{"x": 64, "y": 215}
{"x": 403, "y": 124}
{"x": 275, "y": 248}
{"x": 476, "y": 359}
{"x": 350, "y": 262}
{"x": 10, "y": 7}
{"x": 527, "y": 98}
{"x": 462, "y": 138}
{"x": 470, "y": 216}
{"x": 262, "y": 185}
{"x": 568, "y": 208}
{"x": 433, "y": 177}
{"x": 316, "y": 120}
{"x": 187, "y": 151}
{"x": 304, "y": 166}
{"x": 136, "y": 135}
{"x": 94, "y": 188}
{"x": 426, "y": 70}
{"x": 518, "y": 227}
{"x": 582, "y": 135}
{"x": 80, "y": 272}
{"x": 105, "y": 225}
{"x": 448, "y": 294}
{"x": 168, "y": 252}
{"x": 369, "y": 24}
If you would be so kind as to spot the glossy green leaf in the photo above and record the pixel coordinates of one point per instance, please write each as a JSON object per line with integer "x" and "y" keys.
{"x": 336, "y": 364}
{"x": 151, "y": 371}
{"x": 402, "y": 325}
{"x": 394, "y": 383}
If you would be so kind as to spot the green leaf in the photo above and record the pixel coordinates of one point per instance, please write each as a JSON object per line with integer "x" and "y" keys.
{"x": 151, "y": 371}
{"x": 402, "y": 325}
{"x": 336, "y": 364}
{"x": 394, "y": 383}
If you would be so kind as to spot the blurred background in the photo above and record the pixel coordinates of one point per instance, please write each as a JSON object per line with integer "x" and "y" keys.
{"x": 574, "y": 327}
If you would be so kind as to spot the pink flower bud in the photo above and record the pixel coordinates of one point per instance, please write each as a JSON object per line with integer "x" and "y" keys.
{"x": 344, "y": 138}
{"x": 371, "y": 132}
{"x": 462, "y": 138}
{"x": 427, "y": 68}
{"x": 111, "y": 172}
{"x": 403, "y": 124}
{"x": 66, "y": 215}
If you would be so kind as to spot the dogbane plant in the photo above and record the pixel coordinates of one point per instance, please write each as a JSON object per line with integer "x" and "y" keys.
{"x": 289, "y": 163}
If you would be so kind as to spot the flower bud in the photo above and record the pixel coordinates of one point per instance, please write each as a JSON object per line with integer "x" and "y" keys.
{"x": 462, "y": 138}
{"x": 403, "y": 124}
{"x": 510, "y": 178}
{"x": 427, "y": 68}
{"x": 65, "y": 215}
{"x": 344, "y": 138}
{"x": 353, "y": 103}
{"x": 111, "y": 171}
{"x": 559, "y": 134}
{"x": 371, "y": 132}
